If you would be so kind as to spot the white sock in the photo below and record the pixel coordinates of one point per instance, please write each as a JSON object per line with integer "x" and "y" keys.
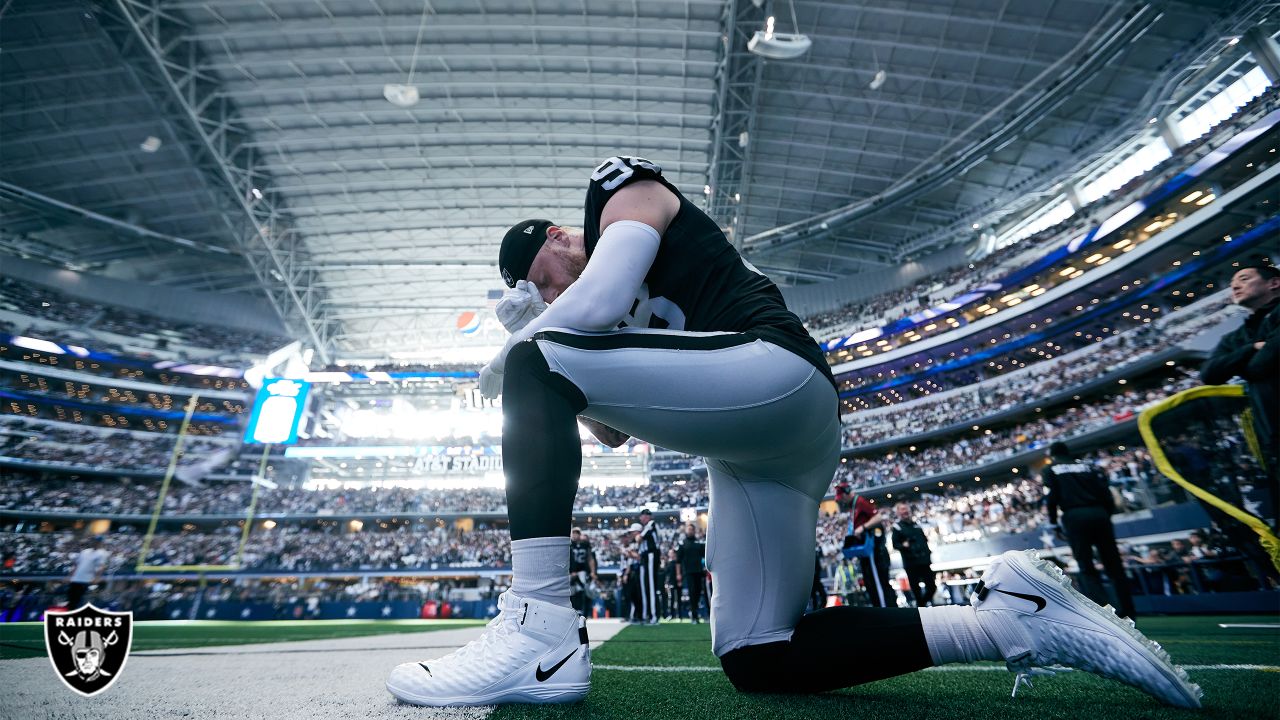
{"x": 540, "y": 569}
{"x": 953, "y": 634}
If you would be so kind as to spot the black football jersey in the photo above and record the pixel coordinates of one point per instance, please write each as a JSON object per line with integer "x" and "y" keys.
{"x": 698, "y": 281}
{"x": 579, "y": 556}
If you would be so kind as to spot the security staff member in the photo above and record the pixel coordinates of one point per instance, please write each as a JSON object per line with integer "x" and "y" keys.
{"x": 1081, "y": 492}
{"x": 910, "y": 542}
{"x": 650, "y": 560}
{"x": 691, "y": 569}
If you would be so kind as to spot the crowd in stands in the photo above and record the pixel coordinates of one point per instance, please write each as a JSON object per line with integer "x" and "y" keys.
{"x": 1018, "y": 388}
{"x": 44, "y": 303}
{"x": 1207, "y": 312}
{"x": 394, "y": 367}
{"x": 290, "y": 548}
{"x": 56, "y": 389}
{"x": 973, "y": 450}
{"x": 871, "y": 312}
{"x": 38, "y": 410}
{"x": 115, "y": 497}
{"x": 974, "y": 512}
{"x": 957, "y": 515}
{"x": 284, "y": 548}
{"x": 129, "y": 365}
{"x": 65, "y": 445}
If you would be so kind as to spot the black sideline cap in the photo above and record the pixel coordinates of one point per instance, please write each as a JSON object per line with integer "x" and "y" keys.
{"x": 519, "y": 247}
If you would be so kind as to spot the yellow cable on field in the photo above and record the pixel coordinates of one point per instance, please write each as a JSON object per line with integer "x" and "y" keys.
{"x": 1267, "y": 538}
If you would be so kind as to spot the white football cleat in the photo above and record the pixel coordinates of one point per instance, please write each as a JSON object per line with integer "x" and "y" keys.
{"x": 1037, "y": 620}
{"x": 532, "y": 652}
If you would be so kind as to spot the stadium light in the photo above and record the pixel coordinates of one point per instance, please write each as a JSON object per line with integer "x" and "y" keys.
{"x": 779, "y": 46}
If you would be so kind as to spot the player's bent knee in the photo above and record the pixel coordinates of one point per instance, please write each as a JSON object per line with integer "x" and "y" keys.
{"x": 527, "y": 365}
{"x": 526, "y": 357}
{"x": 758, "y": 668}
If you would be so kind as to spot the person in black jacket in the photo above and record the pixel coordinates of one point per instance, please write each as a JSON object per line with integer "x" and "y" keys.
{"x": 1252, "y": 352}
{"x": 1081, "y": 492}
{"x": 691, "y": 569}
{"x": 910, "y": 542}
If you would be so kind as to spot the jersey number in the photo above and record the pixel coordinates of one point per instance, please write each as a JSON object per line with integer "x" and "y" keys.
{"x": 654, "y": 313}
{"x": 618, "y": 169}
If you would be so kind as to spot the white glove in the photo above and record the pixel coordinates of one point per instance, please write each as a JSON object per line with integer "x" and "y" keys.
{"x": 490, "y": 382}
{"x": 519, "y": 305}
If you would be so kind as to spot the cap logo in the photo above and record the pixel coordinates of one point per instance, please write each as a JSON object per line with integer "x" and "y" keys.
{"x": 506, "y": 278}
{"x": 528, "y": 230}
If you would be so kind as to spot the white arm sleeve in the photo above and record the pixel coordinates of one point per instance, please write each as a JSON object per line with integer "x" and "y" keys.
{"x": 601, "y": 297}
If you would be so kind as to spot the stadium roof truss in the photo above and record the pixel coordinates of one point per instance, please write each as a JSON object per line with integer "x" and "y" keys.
{"x": 371, "y": 227}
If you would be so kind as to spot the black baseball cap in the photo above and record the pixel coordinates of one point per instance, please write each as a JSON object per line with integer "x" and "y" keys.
{"x": 519, "y": 247}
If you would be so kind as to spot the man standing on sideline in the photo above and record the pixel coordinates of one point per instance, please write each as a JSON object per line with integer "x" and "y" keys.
{"x": 1252, "y": 352}
{"x": 671, "y": 586}
{"x": 874, "y": 566}
{"x": 909, "y": 541}
{"x": 631, "y": 574}
{"x": 89, "y": 566}
{"x": 691, "y": 569}
{"x": 655, "y": 327}
{"x": 1081, "y": 492}
{"x": 650, "y": 566}
{"x": 582, "y": 569}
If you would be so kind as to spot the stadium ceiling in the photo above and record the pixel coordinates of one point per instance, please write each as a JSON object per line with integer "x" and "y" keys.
{"x": 246, "y": 145}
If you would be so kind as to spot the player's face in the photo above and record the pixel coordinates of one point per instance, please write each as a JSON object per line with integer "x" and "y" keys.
{"x": 904, "y": 512}
{"x": 1250, "y": 289}
{"x": 559, "y": 263}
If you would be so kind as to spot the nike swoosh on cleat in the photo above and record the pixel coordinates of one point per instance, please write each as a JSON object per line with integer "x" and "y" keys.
{"x": 424, "y": 667}
{"x": 543, "y": 675}
{"x": 1039, "y": 601}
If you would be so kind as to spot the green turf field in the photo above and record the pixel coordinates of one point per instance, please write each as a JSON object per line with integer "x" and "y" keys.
{"x": 18, "y": 640}
{"x": 628, "y": 683}
{"x": 953, "y": 695}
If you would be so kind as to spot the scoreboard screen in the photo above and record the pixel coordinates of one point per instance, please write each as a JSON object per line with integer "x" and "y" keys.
{"x": 277, "y": 411}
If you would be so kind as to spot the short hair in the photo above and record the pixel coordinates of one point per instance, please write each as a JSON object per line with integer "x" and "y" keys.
{"x": 1059, "y": 449}
{"x": 646, "y": 511}
{"x": 1264, "y": 269}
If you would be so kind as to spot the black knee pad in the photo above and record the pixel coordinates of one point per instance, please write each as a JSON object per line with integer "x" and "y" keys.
{"x": 526, "y": 364}
{"x": 758, "y": 668}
